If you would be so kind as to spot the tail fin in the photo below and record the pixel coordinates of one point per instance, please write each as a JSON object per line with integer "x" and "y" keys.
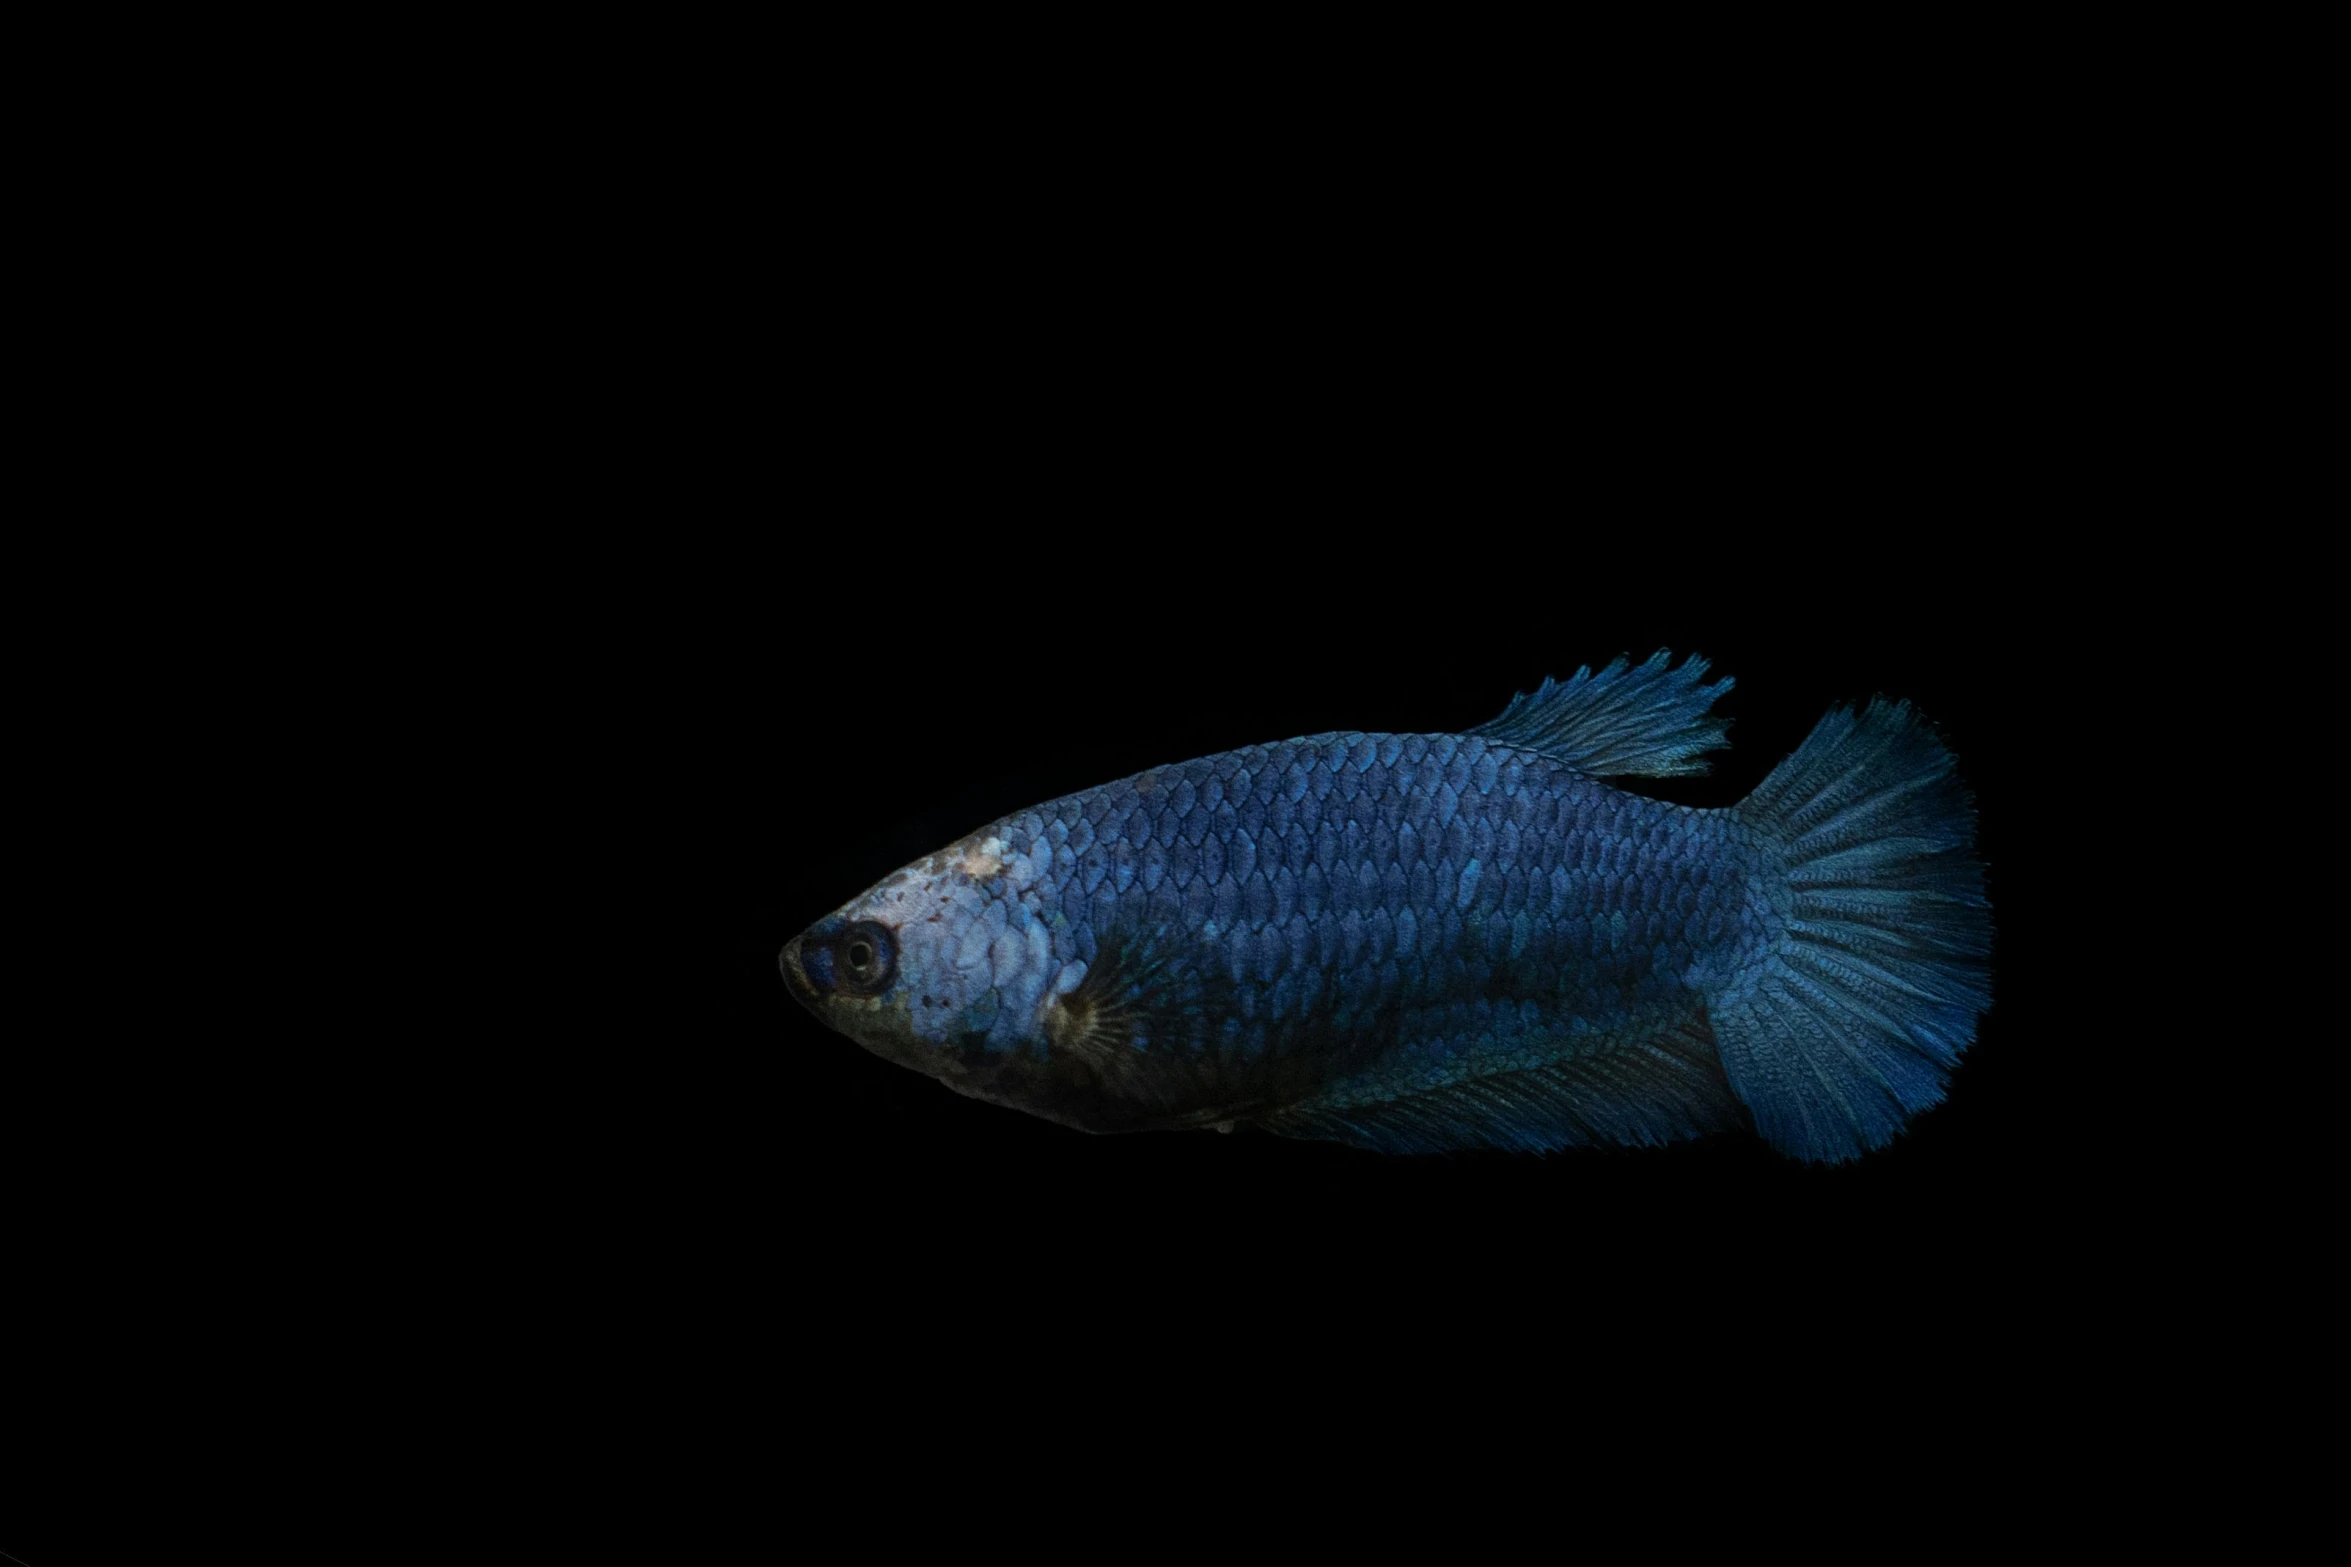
{"x": 1853, "y": 1022}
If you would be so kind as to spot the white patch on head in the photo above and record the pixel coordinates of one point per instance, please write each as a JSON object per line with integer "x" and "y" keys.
{"x": 970, "y": 935}
{"x": 983, "y": 860}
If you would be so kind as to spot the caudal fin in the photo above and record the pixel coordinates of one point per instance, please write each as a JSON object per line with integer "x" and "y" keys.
{"x": 1857, "y": 1017}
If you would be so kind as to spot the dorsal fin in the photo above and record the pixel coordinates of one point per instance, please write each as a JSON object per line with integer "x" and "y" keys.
{"x": 1648, "y": 722}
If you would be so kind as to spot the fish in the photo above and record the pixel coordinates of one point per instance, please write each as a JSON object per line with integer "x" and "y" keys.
{"x": 1421, "y": 943}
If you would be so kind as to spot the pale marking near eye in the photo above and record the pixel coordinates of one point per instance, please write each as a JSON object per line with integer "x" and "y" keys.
{"x": 983, "y": 861}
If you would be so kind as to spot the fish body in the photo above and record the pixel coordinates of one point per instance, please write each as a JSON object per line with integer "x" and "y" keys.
{"x": 1433, "y": 941}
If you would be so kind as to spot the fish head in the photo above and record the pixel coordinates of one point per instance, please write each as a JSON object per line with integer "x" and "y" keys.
{"x": 845, "y": 968}
{"x": 918, "y": 968}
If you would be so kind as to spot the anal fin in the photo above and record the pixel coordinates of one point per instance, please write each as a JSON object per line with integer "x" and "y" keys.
{"x": 1640, "y": 1089}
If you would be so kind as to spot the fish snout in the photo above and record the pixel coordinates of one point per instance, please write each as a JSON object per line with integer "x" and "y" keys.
{"x": 795, "y": 976}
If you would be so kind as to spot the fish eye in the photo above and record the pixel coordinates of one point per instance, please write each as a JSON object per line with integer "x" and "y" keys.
{"x": 868, "y": 958}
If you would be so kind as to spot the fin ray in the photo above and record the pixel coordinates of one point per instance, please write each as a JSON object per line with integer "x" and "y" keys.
{"x": 1856, "y": 1019}
{"x": 1642, "y": 1090}
{"x": 1648, "y": 722}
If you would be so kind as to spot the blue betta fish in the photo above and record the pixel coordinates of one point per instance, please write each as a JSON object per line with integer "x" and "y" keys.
{"x": 1439, "y": 941}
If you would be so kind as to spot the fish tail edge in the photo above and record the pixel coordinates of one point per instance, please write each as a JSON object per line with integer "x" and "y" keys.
{"x": 1853, "y": 1019}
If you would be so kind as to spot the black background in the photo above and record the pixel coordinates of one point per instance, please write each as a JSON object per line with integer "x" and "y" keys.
{"x": 950, "y": 531}
{"x": 828, "y": 512}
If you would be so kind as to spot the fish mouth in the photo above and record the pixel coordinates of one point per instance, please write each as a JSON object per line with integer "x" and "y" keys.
{"x": 796, "y": 977}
